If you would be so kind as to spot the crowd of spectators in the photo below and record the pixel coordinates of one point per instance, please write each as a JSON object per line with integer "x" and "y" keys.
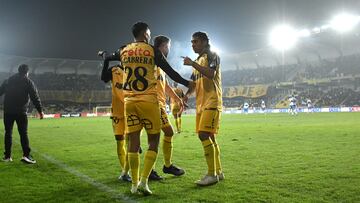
{"x": 313, "y": 94}
{"x": 338, "y": 67}
{"x": 266, "y": 75}
{"x": 341, "y": 66}
{"x": 339, "y": 96}
{"x": 56, "y": 107}
{"x": 353, "y": 99}
{"x": 52, "y": 81}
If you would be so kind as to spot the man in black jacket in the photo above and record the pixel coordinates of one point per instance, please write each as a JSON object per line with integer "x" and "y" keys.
{"x": 17, "y": 89}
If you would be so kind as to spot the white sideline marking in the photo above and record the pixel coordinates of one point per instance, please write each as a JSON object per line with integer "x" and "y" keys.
{"x": 86, "y": 178}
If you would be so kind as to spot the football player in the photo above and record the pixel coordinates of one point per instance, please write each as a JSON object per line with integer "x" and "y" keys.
{"x": 142, "y": 110}
{"x": 163, "y": 44}
{"x": 175, "y": 107}
{"x": 115, "y": 75}
{"x": 207, "y": 77}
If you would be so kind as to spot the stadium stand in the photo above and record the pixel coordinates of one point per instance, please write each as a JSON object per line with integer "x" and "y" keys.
{"x": 327, "y": 73}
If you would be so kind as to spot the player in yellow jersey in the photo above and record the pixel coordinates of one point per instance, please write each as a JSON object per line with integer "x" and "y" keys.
{"x": 163, "y": 44}
{"x": 175, "y": 108}
{"x": 115, "y": 75}
{"x": 207, "y": 76}
{"x": 142, "y": 110}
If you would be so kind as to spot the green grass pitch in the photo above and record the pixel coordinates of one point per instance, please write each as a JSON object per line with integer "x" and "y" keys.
{"x": 266, "y": 158}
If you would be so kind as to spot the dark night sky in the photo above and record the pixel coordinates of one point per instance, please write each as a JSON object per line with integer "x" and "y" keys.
{"x": 78, "y": 28}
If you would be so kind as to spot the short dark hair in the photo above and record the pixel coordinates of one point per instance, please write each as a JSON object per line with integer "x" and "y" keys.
{"x": 23, "y": 69}
{"x": 139, "y": 28}
{"x": 159, "y": 40}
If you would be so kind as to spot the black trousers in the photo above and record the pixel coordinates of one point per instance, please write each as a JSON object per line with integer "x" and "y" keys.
{"x": 22, "y": 124}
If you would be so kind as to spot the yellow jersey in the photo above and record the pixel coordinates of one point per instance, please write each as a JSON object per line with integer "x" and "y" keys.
{"x": 138, "y": 60}
{"x": 208, "y": 91}
{"x": 161, "y": 83}
{"x": 117, "y": 103}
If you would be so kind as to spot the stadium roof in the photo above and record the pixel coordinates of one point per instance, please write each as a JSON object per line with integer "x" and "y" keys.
{"x": 9, "y": 63}
{"x": 327, "y": 45}
{"x": 78, "y": 29}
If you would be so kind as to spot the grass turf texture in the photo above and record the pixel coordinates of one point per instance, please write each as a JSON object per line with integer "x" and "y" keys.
{"x": 266, "y": 158}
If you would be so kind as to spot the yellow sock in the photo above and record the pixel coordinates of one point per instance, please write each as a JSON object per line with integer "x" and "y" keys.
{"x": 121, "y": 153}
{"x": 217, "y": 158}
{"x": 134, "y": 162}
{"x": 167, "y": 150}
{"x": 127, "y": 166}
{"x": 209, "y": 156}
{"x": 150, "y": 158}
{"x": 179, "y": 123}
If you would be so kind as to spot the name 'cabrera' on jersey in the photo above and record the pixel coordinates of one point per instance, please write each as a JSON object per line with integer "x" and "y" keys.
{"x": 208, "y": 91}
{"x": 138, "y": 60}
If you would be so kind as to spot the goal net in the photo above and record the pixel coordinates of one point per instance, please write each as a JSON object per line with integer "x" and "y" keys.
{"x": 102, "y": 110}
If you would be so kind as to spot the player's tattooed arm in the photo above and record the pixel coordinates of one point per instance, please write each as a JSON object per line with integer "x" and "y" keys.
{"x": 208, "y": 71}
{"x": 190, "y": 91}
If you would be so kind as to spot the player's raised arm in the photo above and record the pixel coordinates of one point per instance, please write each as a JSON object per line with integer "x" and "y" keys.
{"x": 110, "y": 57}
{"x": 106, "y": 72}
{"x": 208, "y": 71}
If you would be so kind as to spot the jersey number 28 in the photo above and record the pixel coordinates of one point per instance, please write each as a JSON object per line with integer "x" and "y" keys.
{"x": 140, "y": 83}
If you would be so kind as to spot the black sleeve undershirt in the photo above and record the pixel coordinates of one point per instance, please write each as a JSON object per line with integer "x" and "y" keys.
{"x": 106, "y": 74}
{"x": 164, "y": 65}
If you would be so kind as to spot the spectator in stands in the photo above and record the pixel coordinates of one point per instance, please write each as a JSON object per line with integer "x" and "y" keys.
{"x": 17, "y": 89}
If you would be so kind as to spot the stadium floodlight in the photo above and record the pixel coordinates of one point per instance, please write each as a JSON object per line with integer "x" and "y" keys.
{"x": 344, "y": 22}
{"x": 325, "y": 27}
{"x": 316, "y": 30}
{"x": 283, "y": 37}
{"x": 304, "y": 33}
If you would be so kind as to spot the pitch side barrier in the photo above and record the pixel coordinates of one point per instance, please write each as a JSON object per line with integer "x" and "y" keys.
{"x": 300, "y": 110}
{"x": 73, "y": 115}
{"x": 227, "y": 111}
